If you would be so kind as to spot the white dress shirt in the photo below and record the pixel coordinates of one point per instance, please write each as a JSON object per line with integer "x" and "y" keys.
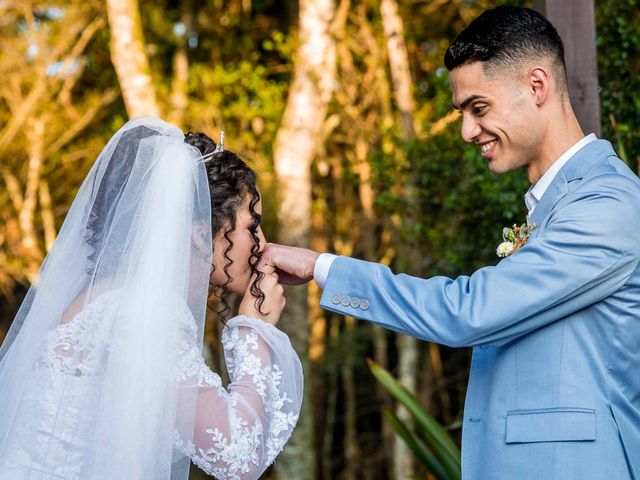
{"x": 321, "y": 268}
{"x": 531, "y": 199}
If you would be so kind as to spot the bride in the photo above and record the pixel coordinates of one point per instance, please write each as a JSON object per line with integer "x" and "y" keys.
{"x": 101, "y": 373}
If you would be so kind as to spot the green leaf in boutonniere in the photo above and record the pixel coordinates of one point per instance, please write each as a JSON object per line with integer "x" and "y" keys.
{"x": 514, "y": 238}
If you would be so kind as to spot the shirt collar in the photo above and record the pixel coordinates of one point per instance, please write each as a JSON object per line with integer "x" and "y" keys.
{"x": 536, "y": 191}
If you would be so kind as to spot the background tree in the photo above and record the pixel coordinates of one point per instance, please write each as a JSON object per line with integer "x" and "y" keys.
{"x": 129, "y": 58}
{"x": 45, "y": 118}
{"x": 408, "y": 251}
{"x": 297, "y": 142}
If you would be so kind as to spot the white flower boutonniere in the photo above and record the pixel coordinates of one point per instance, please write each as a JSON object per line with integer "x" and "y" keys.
{"x": 514, "y": 238}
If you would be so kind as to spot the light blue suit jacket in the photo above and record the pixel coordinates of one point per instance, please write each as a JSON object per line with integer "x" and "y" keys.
{"x": 554, "y": 392}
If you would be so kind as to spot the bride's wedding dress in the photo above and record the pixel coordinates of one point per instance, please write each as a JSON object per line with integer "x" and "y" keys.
{"x": 238, "y": 431}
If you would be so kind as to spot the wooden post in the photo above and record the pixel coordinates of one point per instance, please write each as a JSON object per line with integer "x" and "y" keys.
{"x": 575, "y": 22}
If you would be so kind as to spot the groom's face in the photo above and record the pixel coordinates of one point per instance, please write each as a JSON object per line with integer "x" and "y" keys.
{"x": 498, "y": 114}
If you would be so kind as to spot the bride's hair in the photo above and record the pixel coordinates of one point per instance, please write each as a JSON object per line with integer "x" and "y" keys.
{"x": 230, "y": 181}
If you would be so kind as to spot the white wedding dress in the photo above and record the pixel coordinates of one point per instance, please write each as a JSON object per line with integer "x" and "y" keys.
{"x": 101, "y": 372}
{"x": 238, "y": 431}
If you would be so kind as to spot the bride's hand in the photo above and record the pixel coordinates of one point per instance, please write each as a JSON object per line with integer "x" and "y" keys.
{"x": 274, "y": 300}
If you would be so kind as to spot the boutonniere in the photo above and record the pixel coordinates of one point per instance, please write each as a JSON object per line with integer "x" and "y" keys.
{"x": 514, "y": 238}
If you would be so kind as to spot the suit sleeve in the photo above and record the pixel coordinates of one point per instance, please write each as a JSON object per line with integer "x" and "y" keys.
{"x": 587, "y": 251}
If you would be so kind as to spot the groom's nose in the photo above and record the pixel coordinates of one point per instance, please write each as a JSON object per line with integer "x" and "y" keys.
{"x": 470, "y": 128}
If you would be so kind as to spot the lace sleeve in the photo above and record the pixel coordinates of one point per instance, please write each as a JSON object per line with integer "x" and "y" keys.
{"x": 240, "y": 430}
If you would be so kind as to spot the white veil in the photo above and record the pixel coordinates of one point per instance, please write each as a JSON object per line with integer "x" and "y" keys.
{"x": 138, "y": 233}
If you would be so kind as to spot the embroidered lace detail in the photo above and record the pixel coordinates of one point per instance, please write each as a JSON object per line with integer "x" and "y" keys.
{"x": 226, "y": 459}
{"x": 190, "y": 367}
{"x": 242, "y": 359}
{"x": 54, "y": 420}
{"x": 245, "y": 451}
{"x": 70, "y": 350}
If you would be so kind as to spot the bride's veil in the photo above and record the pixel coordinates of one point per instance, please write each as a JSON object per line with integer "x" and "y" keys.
{"x": 138, "y": 232}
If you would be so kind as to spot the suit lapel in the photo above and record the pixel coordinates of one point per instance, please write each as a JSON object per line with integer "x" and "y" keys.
{"x": 576, "y": 168}
{"x": 552, "y": 195}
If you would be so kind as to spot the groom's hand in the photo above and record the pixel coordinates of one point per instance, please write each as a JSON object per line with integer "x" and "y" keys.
{"x": 273, "y": 302}
{"x": 293, "y": 265}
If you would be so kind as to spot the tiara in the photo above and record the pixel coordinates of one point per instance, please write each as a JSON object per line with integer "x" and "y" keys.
{"x": 219, "y": 148}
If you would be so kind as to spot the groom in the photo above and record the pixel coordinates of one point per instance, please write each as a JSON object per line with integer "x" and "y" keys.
{"x": 554, "y": 392}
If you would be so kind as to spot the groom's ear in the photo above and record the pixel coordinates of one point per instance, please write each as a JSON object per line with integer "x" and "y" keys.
{"x": 539, "y": 80}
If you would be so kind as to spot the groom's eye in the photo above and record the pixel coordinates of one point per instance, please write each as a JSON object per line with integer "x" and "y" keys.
{"x": 478, "y": 109}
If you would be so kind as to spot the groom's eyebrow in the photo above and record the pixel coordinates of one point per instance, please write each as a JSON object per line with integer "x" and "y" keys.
{"x": 467, "y": 101}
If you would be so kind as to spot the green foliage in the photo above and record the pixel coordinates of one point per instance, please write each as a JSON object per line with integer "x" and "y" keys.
{"x": 430, "y": 441}
{"x": 618, "y": 40}
{"x": 417, "y": 446}
{"x": 460, "y": 205}
{"x": 450, "y": 206}
{"x": 243, "y": 97}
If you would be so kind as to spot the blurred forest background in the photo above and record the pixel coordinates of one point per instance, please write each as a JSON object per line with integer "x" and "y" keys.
{"x": 344, "y": 110}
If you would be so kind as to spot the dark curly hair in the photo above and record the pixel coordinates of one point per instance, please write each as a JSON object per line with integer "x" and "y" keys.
{"x": 230, "y": 181}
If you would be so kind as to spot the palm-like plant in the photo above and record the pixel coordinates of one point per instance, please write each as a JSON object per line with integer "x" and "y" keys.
{"x": 429, "y": 441}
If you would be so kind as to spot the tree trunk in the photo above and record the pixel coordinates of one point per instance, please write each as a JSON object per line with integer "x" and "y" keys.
{"x": 351, "y": 450}
{"x": 407, "y": 363}
{"x": 179, "y": 99}
{"x": 30, "y": 244}
{"x": 179, "y": 87}
{"x": 403, "y": 95}
{"x": 323, "y": 396}
{"x": 46, "y": 212}
{"x": 129, "y": 58}
{"x": 297, "y": 142}
{"x": 399, "y": 63}
{"x": 326, "y": 472}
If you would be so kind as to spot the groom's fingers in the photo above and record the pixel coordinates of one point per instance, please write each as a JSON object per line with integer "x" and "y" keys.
{"x": 266, "y": 268}
{"x": 274, "y": 256}
{"x": 267, "y": 259}
{"x": 294, "y": 266}
{"x": 287, "y": 279}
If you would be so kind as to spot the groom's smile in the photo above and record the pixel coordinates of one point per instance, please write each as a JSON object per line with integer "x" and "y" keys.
{"x": 487, "y": 148}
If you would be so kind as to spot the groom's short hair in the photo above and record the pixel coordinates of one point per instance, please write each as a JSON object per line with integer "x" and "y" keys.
{"x": 504, "y": 37}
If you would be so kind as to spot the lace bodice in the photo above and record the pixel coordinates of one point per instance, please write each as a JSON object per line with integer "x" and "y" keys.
{"x": 238, "y": 430}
